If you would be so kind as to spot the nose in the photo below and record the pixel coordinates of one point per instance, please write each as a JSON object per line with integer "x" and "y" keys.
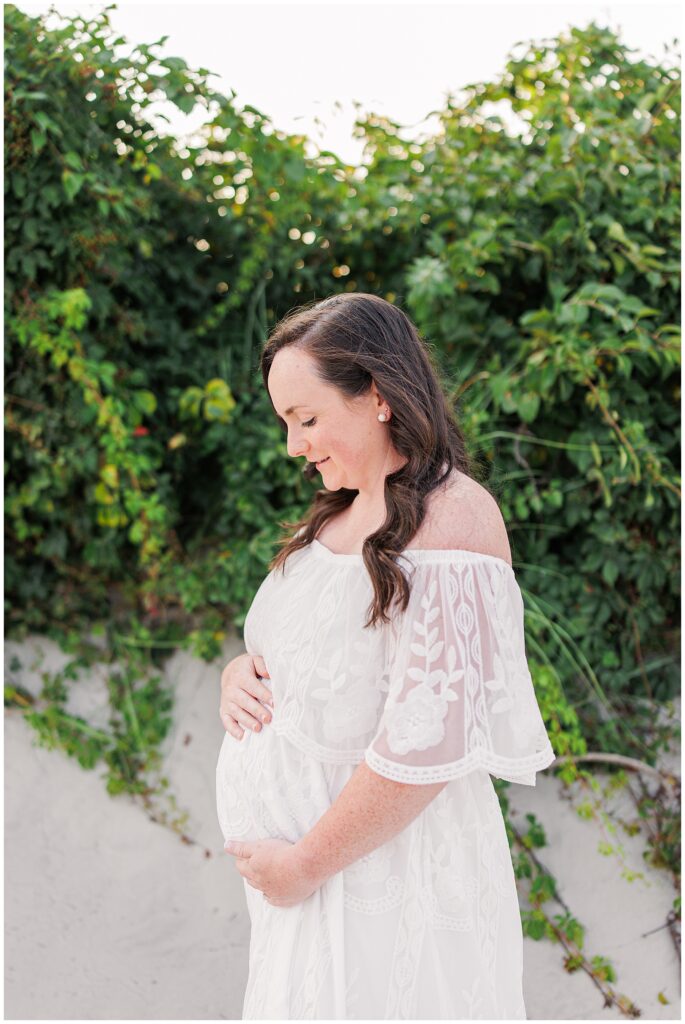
{"x": 297, "y": 445}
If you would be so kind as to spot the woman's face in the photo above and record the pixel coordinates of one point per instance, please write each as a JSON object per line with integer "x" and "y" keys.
{"x": 347, "y": 434}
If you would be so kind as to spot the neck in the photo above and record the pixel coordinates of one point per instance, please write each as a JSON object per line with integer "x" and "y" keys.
{"x": 369, "y": 504}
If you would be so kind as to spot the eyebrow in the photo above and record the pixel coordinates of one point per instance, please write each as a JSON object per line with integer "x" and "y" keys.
{"x": 292, "y": 409}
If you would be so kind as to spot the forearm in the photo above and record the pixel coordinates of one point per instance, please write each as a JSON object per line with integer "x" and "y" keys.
{"x": 369, "y": 811}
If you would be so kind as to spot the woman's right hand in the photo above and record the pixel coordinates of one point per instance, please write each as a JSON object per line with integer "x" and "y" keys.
{"x": 241, "y": 693}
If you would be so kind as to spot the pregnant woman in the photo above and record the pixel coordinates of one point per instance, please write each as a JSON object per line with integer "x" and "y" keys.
{"x": 385, "y": 682}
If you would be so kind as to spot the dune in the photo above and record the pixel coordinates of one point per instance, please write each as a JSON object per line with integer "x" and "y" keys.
{"x": 111, "y": 915}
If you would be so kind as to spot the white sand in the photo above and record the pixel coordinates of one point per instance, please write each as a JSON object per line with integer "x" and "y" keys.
{"x": 109, "y": 915}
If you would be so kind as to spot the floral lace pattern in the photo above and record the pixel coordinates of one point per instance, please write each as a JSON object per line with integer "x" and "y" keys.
{"x": 460, "y": 692}
{"x": 428, "y": 924}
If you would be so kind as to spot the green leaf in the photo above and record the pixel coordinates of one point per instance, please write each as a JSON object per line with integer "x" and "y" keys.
{"x": 617, "y": 233}
{"x": 46, "y": 123}
{"x": 185, "y": 101}
{"x": 610, "y": 573}
{"x": 72, "y": 183}
{"x": 74, "y": 160}
{"x": 145, "y": 402}
{"x": 38, "y": 140}
{"x": 103, "y": 496}
{"x": 110, "y": 476}
{"x": 174, "y": 63}
{"x": 528, "y": 405}
{"x": 573, "y": 313}
{"x": 32, "y": 97}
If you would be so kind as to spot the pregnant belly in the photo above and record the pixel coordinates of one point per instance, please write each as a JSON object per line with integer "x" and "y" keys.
{"x": 266, "y": 787}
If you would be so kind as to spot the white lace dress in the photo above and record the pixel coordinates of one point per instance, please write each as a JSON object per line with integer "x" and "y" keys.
{"x": 427, "y": 926}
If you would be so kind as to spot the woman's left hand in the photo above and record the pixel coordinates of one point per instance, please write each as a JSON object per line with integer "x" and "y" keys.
{"x": 274, "y": 867}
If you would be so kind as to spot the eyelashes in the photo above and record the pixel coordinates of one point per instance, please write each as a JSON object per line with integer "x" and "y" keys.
{"x": 310, "y": 423}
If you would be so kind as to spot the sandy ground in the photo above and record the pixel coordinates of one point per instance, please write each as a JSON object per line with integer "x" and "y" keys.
{"x": 109, "y": 915}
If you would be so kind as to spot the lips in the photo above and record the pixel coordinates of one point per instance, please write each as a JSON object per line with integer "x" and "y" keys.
{"x": 322, "y": 461}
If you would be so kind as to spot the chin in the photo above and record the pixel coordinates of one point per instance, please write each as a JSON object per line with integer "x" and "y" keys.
{"x": 331, "y": 481}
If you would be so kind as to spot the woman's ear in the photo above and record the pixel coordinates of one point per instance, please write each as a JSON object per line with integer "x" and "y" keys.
{"x": 377, "y": 396}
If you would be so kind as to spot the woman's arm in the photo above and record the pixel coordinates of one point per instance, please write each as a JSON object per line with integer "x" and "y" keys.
{"x": 369, "y": 811}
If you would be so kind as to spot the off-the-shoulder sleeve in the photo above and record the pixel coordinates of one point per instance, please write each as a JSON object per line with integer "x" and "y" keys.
{"x": 460, "y": 694}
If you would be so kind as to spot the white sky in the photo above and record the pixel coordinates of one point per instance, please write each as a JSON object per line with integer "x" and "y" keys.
{"x": 303, "y": 65}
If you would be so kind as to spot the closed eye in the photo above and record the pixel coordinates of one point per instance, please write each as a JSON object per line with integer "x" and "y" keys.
{"x": 310, "y": 423}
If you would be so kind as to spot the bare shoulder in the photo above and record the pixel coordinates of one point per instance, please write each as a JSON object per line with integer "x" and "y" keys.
{"x": 462, "y": 515}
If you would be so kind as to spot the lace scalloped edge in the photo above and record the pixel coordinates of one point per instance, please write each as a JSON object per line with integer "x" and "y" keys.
{"x": 522, "y": 770}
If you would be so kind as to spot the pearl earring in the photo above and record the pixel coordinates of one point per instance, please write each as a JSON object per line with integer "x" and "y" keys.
{"x": 382, "y": 417}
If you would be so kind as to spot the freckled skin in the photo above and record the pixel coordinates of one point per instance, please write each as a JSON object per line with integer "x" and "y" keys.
{"x": 369, "y": 811}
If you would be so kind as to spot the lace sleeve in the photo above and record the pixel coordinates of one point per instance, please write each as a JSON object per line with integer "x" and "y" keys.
{"x": 460, "y": 696}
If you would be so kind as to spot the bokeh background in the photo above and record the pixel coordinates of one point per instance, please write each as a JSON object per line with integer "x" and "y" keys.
{"x": 176, "y": 179}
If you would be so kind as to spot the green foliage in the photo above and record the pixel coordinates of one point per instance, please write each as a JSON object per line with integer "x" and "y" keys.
{"x": 146, "y": 477}
{"x": 552, "y": 288}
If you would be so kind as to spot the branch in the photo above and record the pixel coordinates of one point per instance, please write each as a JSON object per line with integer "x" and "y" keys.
{"x": 626, "y": 762}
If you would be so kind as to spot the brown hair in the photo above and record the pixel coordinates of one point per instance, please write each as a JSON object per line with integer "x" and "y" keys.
{"x": 355, "y": 338}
